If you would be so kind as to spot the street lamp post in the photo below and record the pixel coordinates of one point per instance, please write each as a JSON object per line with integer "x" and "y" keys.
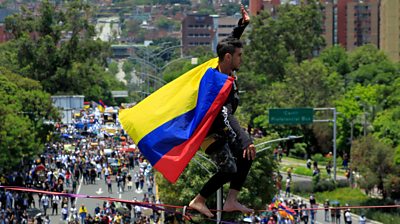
{"x": 363, "y": 104}
{"x": 157, "y": 81}
{"x": 290, "y": 137}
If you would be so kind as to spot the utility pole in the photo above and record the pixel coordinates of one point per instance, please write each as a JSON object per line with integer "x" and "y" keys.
{"x": 334, "y": 143}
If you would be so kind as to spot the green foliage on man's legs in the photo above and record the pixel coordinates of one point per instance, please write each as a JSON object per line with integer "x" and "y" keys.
{"x": 257, "y": 192}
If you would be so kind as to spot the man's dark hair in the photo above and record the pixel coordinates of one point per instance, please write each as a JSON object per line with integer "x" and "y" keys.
{"x": 228, "y": 45}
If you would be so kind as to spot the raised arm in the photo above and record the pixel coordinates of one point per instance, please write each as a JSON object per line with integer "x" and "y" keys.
{"x": 243, "y": 22}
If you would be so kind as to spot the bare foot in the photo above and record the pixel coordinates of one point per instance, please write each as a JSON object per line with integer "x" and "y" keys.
{"x": 198, "y": 203}
{"x": 231, "y": 206}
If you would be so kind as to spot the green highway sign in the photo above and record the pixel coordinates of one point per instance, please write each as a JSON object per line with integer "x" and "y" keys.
{"x": 291, "y": 116}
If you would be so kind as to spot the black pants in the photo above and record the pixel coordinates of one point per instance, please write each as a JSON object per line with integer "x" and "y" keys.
{"x": 54, "y": 208}
{"x": 235, "y": 174}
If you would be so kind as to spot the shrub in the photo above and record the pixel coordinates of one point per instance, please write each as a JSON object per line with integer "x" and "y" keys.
{"x": 383, "y": 216}
{"x": 113, "y": 68}
{"x": 319, "y": 158}
{"x": 299, "y": 150}
{"x": 315, "y": 182}
{"x": 342, "y": 183}
{"x": 302, "y": 187}
{"x": 303, "y": 171}
{"x": 128, "y": 77}
{"x": 339, "y": 162}
{"x": 324, "y": 185}
{"x": 345, "y": 195}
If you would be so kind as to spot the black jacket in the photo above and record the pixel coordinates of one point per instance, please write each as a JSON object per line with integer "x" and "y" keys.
{"x": 225, "y": 123}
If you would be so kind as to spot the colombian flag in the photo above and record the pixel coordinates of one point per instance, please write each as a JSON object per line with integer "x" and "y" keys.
{"x": 283, "y": 210}
{"x": 170, "y": 125}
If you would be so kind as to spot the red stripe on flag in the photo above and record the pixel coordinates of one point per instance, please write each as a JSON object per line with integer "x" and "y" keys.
{"x": 172, "y": 164}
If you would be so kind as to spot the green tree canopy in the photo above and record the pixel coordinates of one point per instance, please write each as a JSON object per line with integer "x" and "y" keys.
{"x": 336, "y": 59}
{"x": 295, "y": 32}
{"x": 374, "y": 161}
{"x": 58, "y": 49}
{"x": 23, "y": 108}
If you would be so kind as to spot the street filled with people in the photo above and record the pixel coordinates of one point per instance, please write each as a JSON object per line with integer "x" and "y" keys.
{"x": 93, "y": 149}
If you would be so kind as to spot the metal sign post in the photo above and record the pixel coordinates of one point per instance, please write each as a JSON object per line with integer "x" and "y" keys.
{"x": 295, "y": 116}
{"x": 334, "y": 135}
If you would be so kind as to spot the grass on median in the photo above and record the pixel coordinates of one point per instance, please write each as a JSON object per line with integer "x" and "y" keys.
{"x": 299, "y": 170}
{"x": 303, "y": 170}
{"x": 352, "y": 196}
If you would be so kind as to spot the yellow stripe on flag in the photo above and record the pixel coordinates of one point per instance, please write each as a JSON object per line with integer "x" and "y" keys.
{"x": 167, "y": 103}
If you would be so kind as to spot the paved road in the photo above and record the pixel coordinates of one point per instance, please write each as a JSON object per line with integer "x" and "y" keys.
{"x": 100, "y": 189}
{"x": 104, "y": 30}
{"x": 121, "y": 74}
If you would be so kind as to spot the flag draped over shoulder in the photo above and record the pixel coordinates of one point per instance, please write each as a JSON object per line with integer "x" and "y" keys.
{"x": 170, "y": 124}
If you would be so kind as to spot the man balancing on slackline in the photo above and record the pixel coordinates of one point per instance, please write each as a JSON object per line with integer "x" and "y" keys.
{"x": 227, "y": 143}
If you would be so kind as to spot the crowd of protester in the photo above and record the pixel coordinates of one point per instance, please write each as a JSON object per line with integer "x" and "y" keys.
{"x": 84, "y": 153}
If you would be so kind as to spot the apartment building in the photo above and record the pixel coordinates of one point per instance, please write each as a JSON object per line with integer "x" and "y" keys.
{"x": 389, "y": 35}
{"x": 358, "y": 23}
{"x": 329, "y": 22}
{"x": 197, "y": 31}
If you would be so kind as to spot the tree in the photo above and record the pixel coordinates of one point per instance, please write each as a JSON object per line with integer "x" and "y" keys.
{"x": 381, "y": 73}
{"x": 113, "y": 68}
{"x": 132, "y": 26}
{"x": 336, "y": 59}
{"x": 294, "y": 33}
{"x": 386, "y": 126}
{"x": 364, "y": 55}
{"x": 128, "y": 67}
{"x": 23, "y": 108}
{"x": 273, "y": 60}
{"x": 351, "y": 108}
{"x": 309, "y": 84}
{"x": 166, "y": 23}
{"x": 17, "y": 25}
{"x": 373, "y": 160}
{"x": 51, "y": 47}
